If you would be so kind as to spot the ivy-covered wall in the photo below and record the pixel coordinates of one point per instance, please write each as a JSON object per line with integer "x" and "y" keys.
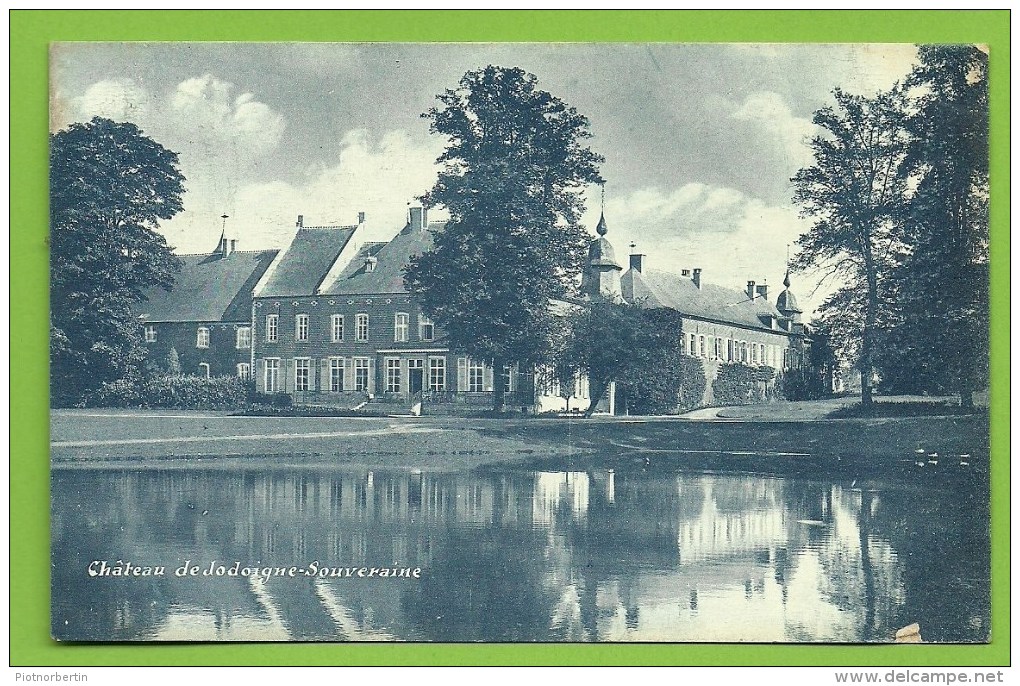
{"x": 741, "y": 384}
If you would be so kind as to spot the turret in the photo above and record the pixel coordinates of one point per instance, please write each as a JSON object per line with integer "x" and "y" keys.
{"x": 601, "y": 278}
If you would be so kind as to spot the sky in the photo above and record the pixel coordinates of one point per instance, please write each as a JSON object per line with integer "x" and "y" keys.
{"x": 700, "y": 140}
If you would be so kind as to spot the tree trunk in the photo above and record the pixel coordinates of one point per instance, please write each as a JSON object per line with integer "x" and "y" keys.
{"x": 603, "y": 386}
{"x": 870, "y": 316}
{"x": 498, "y": 396}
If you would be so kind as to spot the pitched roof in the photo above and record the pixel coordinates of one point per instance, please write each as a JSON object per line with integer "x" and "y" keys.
{"x": 209, "y": 288}
{"x": 661, "y": 289}
{"x": 387, "y": 275}
{"x": 305, "y": 263}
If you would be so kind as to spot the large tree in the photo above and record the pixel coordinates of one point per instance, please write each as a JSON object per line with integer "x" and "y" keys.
{"x": 514, "y": 170}
{"x": 110, "y": 186}
{"x": 942, "y": 282}
{"x": 854, "y": 193}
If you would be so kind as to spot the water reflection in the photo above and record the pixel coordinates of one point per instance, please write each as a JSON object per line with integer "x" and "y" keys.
{"x": 514, "y": 555}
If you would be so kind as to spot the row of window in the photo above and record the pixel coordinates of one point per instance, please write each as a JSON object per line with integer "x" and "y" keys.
{"x": 401, "y": 327}
{"x": 242, "y": 336}
{"x": 338, "y": 381}
{"x": 243, "y": 370}
{"x": 731, "y": 350}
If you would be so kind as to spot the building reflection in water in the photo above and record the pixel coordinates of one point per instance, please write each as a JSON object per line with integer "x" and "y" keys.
{"x": 512, "y": 555}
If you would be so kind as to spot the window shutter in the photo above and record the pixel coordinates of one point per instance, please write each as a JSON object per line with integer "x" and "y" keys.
{"x": 260, "y": 375}
{"x": 287, "y": 375}
{"x": 487, "y": 378}
{"x": 461, "y": 374}
{"x": 311, "y": 375}
{"x": 324, "y": 375}
{"x": 371, "y": 375}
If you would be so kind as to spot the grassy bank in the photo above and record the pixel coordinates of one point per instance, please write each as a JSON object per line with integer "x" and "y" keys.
{"x": 434, "y": 443}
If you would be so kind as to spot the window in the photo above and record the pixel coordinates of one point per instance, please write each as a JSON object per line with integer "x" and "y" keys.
{"x": 302, "y": 367}
{"x": 426, "y": 328}
{"x": 437, "y": 373}
{"x": 361, "y": 327}
{"x": 717, "y": 349}
{"x": 203, "y": 369}
{"x": 729, "y": 349}
{"x": 336, "y": 374}
{"x": 203, "y": 337}
{"x": 361, "y": 374}
{"x": 271, "y": 328}
{"x": 476, "y": 377}
{"x": 701, "y": 346}
{"x": 392, "y": 375}
{"x": 301, "y": 327}
{"x": 243, "y": 337}
{"x": 400, "y": 326}
{"x": 244, "y": 370}
{"x": 507, "y": 378}
{"x": 150, "y": 334}
{"x": 337, "y": 326}
{"x": 743, "y": 351}
{"x": 754, "y": 353}
{"x": 692, "y": 349}
{"x": 272, "y": 381}
{"x": 761, "y": 353}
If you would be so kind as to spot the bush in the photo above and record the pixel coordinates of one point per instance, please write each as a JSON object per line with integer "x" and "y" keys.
{"x": 740, "y": 384}
{"x": 801, "y": 384}
{"x": 678, "y": 385}
{"x": 175, "y": 392}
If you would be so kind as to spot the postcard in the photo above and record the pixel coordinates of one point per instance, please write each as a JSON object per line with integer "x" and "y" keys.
{"x": 510, "y": 342}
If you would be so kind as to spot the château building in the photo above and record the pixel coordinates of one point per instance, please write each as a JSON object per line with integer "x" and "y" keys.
{"x": 327, "y": 320}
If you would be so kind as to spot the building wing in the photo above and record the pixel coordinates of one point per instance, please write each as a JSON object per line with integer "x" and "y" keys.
{"x": 210, "y": 288}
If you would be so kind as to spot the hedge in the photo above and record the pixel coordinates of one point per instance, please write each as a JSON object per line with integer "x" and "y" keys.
{"x": 175, "y": 392}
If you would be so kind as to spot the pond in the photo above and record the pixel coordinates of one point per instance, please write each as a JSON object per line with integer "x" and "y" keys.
{"x": 513, "y": 554}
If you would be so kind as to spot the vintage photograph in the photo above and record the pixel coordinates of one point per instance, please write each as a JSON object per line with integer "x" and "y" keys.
{"x": 486, "y": 342}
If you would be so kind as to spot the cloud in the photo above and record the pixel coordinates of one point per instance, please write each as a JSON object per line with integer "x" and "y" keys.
{"x": 775, "y": 123}
{"x": 117, "y": 99}
{"x": 375, "y": 175}
{"x": 207, "y": 108}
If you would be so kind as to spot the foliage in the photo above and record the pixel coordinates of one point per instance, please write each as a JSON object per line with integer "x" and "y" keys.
{"x": 854, "y": 194}
{"x": 639, "y": 349}
{"x": 805, "y": 383}
{"x": 741, "y": 384}
{"x": 514, "y": 168}
{"x": 110, "y": 186}
{"x": 173, "y": 363}
{"x": 943, "y": 277}
{"x": 176, "y": 392}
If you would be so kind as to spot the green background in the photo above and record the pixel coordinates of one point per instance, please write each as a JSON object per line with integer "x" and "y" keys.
{"x": 30, "y": 33}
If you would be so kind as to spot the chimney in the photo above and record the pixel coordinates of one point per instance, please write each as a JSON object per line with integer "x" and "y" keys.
{"x": 419, "y": 218}
{"x": 697, "y": 277}
{"x": 370, "y": 263}
{"x": 361, "y": 217}
{"x": 762, "y": 290}
{"x": 686, "y": 273}
{"x": 750, "y": 290}
{"x": 226, "y": 246}
{"x": 300, "y": 221}
{"x": 636, "y": 261}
